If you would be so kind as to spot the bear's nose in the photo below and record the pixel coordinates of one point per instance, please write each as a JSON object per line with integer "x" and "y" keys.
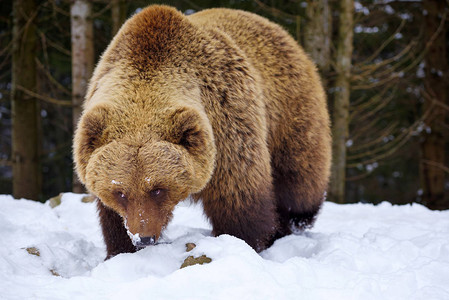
{"x": 146, "y": 241}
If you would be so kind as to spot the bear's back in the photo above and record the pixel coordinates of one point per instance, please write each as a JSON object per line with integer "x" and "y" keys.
{"x": 291, "y": 85}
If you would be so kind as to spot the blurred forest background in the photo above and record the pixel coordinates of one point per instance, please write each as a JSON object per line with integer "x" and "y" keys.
{"x": 384, "y": 65}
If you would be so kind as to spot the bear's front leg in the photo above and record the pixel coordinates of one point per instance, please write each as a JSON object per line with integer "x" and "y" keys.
{"x": 242, "y": 207}
{"x": 114, "y": 232}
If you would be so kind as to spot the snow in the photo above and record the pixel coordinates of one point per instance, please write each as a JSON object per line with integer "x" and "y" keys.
{"x": 349, "y": 143}
{"x": 135, "y": 238}
{"x": 356, "y": 251}
{"x": 360, "y": 8}
{"x": 359, "y": 28}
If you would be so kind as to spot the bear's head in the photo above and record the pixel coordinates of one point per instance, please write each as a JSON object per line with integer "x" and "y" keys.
{"x": 142, "y": 170}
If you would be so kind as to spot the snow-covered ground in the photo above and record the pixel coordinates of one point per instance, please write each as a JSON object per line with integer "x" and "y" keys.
{"x": 353, "y": 252}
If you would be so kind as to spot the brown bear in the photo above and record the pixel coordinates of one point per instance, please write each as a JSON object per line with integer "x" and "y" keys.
{"x": 222, "y": 105}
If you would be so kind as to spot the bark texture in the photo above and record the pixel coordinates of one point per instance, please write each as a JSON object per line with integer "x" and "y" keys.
{"x": 82, "y": 61}
{"x": 317, "y": 33}
{"x": 341, "y": 100}
{"x": 118, "y": 12}
{"x": 25, "y": 109}
{"x": 433, "y": 139}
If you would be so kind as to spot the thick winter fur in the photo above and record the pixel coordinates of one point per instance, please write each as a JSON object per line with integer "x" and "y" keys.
{"x": 222, "y": 105}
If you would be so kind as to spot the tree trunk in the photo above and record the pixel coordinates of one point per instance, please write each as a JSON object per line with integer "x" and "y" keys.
{"x": 118, "y": 11}
{"x": 433, "y": 140}
{"x": 25, "y": 109}
{"x": 317, "y": 34}
{"x": 82, "y": 61}
{"x": 341, "y": 100}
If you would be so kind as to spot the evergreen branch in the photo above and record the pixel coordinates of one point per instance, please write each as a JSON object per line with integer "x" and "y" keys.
{"x": 52, "y": 79}
{"x": 384, "y": 44}
{"x": 362, "y": 105}
{"x": 357, "y": 115}
{"x": 45, "y": 98}
{"x": 274, "y": 11}
{"x": 378, "y": 153}
{"x": 99, "y": 13}
{"x": 435, "y": 164}
{"x": 385, "y": 132}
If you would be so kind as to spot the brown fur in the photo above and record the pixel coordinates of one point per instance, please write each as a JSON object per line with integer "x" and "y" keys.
{"x": 222, "y": 105}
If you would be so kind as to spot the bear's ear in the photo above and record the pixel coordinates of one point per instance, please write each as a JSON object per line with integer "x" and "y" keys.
{"x": 88, "y": 137}
{"x": 189, "y": 130}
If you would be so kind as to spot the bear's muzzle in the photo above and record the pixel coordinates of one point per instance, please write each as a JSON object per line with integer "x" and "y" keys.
{"x": 145, "y": 241}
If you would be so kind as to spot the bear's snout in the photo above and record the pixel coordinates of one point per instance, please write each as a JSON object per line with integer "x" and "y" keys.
{"x": 145, "y": 241}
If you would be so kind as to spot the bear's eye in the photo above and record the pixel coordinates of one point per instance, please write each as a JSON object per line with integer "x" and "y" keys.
{"x": 121, "y": 197}
{"x": 158, "y": 193}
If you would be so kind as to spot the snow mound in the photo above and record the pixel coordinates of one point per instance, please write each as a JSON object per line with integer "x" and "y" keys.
{"x": 354, "y": 252}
